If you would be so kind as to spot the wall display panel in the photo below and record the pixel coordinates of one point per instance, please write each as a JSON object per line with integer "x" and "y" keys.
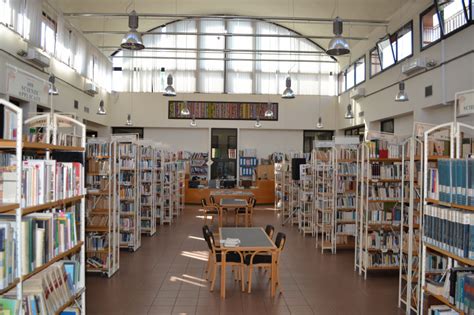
{"x": 222, "y": 110}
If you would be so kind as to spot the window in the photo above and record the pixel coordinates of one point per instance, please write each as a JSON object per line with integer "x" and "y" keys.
{"x": 386, "y": 54}
{"x": 356, "y": 131}
{"x": 360, "y": 70}
{"x": 350, "y": 77}
{"x": 375, "y": 66}
{"x": 453, "y": 14}
{"x": 405, "y": 42}
{"x": 48, "y": 33}
{"x": 430, "y": 29}
{"x": 387, "y": 126}
{"x": 128, "y": 130}
{"x": 223, "y": 140}
{"x": 342, "y": 82}
{"x": 310, "y": 135}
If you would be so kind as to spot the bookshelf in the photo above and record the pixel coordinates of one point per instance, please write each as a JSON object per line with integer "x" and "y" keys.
{"x": 128, "y": 199}
{"x": 147, "y": 186}
{"x": 325, "y": 190}
{"x": 159, "y": 185}
{"x": 181, "y": 185}
{"x": 447, "y": 216}
{"x": 306, "y": 223}
{"x": 168, "y": 204}
{"x": 46, "y": 212}
{"x": 247, "y": 164}
{"x": 347, "y": 177}
{"x": 198, "y": 167}
{"x": 102, "y": 231}
{"x": 381, "y": 168}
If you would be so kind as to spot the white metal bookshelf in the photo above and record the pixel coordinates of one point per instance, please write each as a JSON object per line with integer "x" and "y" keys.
{"x": 62, "y": 138}
{"x": 147, "y": 186}
{"x": 159, "y": 182}
{"x": 347, "y": 177}
{"x": 380, "y": 195}
{"x": 168, "y": 198}
{"x": 102, "y": 230}
{"x": 442, "y": 199}
{"x": 306, "y": 224}
{"x": 325, "y": 192}
{"x": 127, "y": 194}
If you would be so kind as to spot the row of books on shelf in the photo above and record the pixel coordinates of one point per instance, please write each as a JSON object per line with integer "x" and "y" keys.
{"x": 385, "y": 171}
{"x": 127, "y": 149}
{"x": 248, "y": 161}
{"x": 246, "y": 171}
{"x": 384, "y": 192}
{"x": 126, "y": 178}
{"x": 381, "y": 259}
{"x": 98, "y": 167}
{"x": 146, "y": 165}
{"x": 346, "y": 154}
{"x": 96, "y": 261}
{"x": 127, "y": 207}
{"x": 248, "y": 152}
{"x": 456, "y": 285}
{"x": 198, "y": 170}
{"x": 46, "y": 292}
{"x": 127, "y": 192}
{"x": 382, "y": 240}
{"x": 346, "y": 186}
{"x": 346, "y": 229}
{"x": 200, "y": 156}
{"x": 97, "y": 242}
{"x": 384, "y": 217}
{"x": 346, "y": 215}
{"x": 344, "y": 202}
{"x": 146, "y": 176}
{"x": 450, "y": 229}
{"x": 97, "y": 149}
{"x": 47, "y": 181}
{"x": 147, "y": 151}
{"x": 67, "y": 139}
{"x": 347, "y": 169}
{"x": 127, "y": 163}
{"x": 127, "y": 224}
{"x": 146, "y": 199}
{"x": 381, "y": 149}
{"x": 452, "y": 181}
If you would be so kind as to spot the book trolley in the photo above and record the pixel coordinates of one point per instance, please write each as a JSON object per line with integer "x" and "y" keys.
{"x": 42, "y": 212}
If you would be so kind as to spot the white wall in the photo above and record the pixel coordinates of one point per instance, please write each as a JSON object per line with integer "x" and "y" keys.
{"x": 189, "y": 139}
{"x": 268, "y": 141}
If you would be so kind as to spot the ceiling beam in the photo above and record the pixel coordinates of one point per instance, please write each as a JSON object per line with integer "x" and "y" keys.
{"x": 232, "y": 17}
{"x": 224, "y": 34}
{"x": 221, "y": 59}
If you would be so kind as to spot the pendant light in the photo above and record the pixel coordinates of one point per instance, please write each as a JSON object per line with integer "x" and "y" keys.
{"x": 101, "y": 110}
{"x": 288, "y": 92}
{"x": 185, "y": 110}
{"x": 132, "y": 40}
{"x": 257, "y": 123}
{"x": 349, "y": 114}
{"x": 193, "y": 122}
{"x": 169, "y": 90}
{"x": 129, "y": 120}
{"x": 269, "y": 111}
{"x": 338, "y": 46}
{"x": 53, "y": 90}
{"x": 401, "y": 96}
{"x": 320, "y": 125}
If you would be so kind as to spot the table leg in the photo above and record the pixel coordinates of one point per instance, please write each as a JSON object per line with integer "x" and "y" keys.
{"x": 247, "y": 218}
{"x": 273, "y": 272}
{"x": 220, "y": 216}
{"x": 223, "y": 273}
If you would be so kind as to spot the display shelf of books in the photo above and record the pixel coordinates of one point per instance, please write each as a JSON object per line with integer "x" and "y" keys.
{"x": 168, "y": 204}
{"x": 248, "y": 163}
{"x": 129, "y": 201}
{"x": 159, "y": 178}
{"x": 279, "y": 203}
{"x": 51, "y": 216}
{"x": 325, "y": 190}
{"x": 102, "y": 231}
{"x": 306, "y": 223}
{"x": 198, "y": 167}
{"x": 146, "y": 184}
{"x": 448, "y": 219}
{"x": 174, "y": 183}
{"x": 181, "y": 185}
{"x": 347, "y": 178}
{"x": 10, "y": 196}
{"x": 381, "y": 171}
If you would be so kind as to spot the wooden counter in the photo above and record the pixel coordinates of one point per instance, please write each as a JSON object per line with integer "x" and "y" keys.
{"x": 264, "y": 193}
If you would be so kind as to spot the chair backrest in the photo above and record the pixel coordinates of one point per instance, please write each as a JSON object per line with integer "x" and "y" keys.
{"x": 212, "y": 241}
{"x": 205, "y": 234}
{"x": 254, "y": 202}
{"x": 270, "y": 229}
{"x": 280, "y": 240}
{"x": 203, "y": 202}
{"x": 212, "y": 200}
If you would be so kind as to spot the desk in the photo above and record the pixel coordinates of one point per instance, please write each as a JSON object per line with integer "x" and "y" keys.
{"x": 251, "y": 240}
{"x": 226, "y": 203}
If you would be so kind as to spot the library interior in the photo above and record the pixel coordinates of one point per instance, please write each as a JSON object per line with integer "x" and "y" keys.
{"x": 250, "y": 157}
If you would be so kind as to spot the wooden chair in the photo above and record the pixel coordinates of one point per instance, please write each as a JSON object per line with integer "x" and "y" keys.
{"x": 212, "y": 200}
{"x": 264, "y": 259}
{"x": 205, "y": 233}
{"x": 233, "y": 259}
{"x": 252, "y": 205}
{"x": 270, "y": 230}
{"x": 211, "y": 210}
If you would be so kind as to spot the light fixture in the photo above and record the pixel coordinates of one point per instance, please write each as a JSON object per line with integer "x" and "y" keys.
{"x": 269, "y": 112}
{"x": 169, "y": 90}
{"x": 53, "y": 90}
{"x": 129, "y": 120}
{"x": 320, "y": 125}
{"x": 132, "y": 40}
{"x": 193, "y": 122}
{"x": 338, "y": 46}
{"x": 101, "y": 110}
{"x": 257, "y": 123}
{"x": 288, "y": 92}
{"x": 401, "y": 96}
{"x": 185, "y": 110}
{"x": 349, "y": 114}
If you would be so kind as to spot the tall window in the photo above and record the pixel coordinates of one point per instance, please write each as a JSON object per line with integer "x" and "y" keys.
{"x": 430, "y": 28}
{"x": 375, "y": 66}
{"x": 360, "y": 70}
{"x": 223, "y": 141}
{"x": 255, "y": 64}
{"x": 48, "y": 33}
{"x": 352, "y": 76}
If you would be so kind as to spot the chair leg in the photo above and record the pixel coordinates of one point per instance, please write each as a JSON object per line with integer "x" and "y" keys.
{"x": 205, "y": 218}
{"x": 250, "y": 279}
{"x": 207, "y": 267}
{"x": 213, "y": 281}
{"x": 242, "y": 278}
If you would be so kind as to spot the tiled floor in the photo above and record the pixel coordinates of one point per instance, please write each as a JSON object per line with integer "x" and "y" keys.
{"x": 166, "y": 276}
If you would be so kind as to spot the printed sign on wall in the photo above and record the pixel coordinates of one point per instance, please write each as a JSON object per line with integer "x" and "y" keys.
{"x": 26, "y": 87}
{"x": 465, "y": 103}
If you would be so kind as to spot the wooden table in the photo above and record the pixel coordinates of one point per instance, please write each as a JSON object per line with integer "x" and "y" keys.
{"x": 226, "y": 203}
{"x": 251, "y": 240}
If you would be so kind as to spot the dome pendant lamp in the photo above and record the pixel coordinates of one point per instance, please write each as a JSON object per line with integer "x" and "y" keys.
{"x": 401, "y": 96}
{"x": 288, "y": 92}
{"x": 338, "y": 46}
{"x": 169, "y": 90}
{"x": 132, "y": 40}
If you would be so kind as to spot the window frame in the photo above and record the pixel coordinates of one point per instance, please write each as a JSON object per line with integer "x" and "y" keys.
{"x": 389, "y": 37}
{"x": 469, "y": 18}
{"x": 371, "y": 75}
{"x": 344, "y": 73}
{"x": 355, "y": 71}
{"x": 387, "y": 121}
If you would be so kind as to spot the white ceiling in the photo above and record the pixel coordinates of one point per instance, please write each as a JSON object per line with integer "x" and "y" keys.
{"x": 347, "y": 9}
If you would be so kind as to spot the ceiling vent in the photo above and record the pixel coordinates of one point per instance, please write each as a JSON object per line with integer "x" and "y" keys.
{"x": 417, "y": 64}
{"x": 91, "y": 89}
{"x": 357, "y": 93}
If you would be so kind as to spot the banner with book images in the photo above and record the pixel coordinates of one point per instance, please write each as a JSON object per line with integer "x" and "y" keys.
{"x": 224, "y": 110}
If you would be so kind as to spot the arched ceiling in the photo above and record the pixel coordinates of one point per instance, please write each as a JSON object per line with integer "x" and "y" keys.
{"x": 376, "y": 10}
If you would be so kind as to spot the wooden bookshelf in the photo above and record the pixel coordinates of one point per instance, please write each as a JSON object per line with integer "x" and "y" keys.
{"x": 8, "y": 207}
{"x": 50, "y": 205}
{"x": 12, "y": 285}
{"x": 40, "y": 146}
{"x": 466, "y": 261}
{"x": 450, "y": 204}
{"x": 443, "y": 300}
